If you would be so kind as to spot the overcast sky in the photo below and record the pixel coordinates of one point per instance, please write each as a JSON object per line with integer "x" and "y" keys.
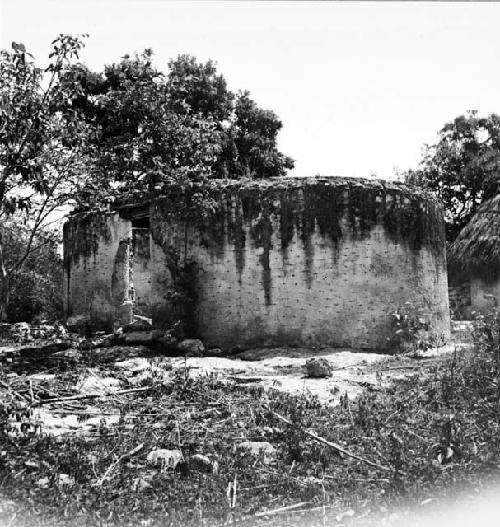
{"x": 360, "y": 87}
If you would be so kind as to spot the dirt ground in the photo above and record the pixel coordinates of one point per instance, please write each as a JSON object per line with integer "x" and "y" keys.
{"x": 279, "y": 368}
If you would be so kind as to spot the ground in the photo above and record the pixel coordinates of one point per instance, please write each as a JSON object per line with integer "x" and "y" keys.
{"x": 347, "y": 448}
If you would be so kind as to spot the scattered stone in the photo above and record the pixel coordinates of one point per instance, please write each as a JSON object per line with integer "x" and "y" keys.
{"x": 165, "y": 342}
{"x": 135, "y": 338}
{"x": 215, "y": 352}
{"x": 104, "y": 341}
{"x": 7, "y": 354}
{"x": 192, "y": 347}
{"x": 140, "y": 484}
{"x": 165, "y": 458}
{"x": 318, "y": 368}
{"x": 21, "y": 332}
{"x": 78, "y": 323}
{"x": 65, "y": 481}
{"x": 43, "y": 483}
{"x": 61, "y": 331}
{"x": 139, "y": 324}
{"x": 258, "y": 448}
{"x": 204, "y": 464}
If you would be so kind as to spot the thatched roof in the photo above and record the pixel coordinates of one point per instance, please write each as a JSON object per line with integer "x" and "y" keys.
{"x": 477, "y": 248}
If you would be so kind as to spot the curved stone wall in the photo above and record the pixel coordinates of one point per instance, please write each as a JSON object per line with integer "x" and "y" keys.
{"x": 298, "y": 262}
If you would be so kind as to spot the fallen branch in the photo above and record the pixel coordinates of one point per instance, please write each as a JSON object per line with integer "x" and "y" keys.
{"x": 244, "y": 380}
{"x": 282, "y": 509}
{"x": 118, "y": 461}
{"x": 324, "y": 441}
{"x": 91, "y": 396}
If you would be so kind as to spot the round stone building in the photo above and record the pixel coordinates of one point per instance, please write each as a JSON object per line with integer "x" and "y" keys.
{"x": 318, "y": 261}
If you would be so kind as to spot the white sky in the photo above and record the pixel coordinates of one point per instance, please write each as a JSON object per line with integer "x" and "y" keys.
{"x": 360, "y": 87}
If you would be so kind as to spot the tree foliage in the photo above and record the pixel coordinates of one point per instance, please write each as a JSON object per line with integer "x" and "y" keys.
{"x": 42, "y": 166}
{"x": 463, "y": 167}
{"x": 35, "y": 289}
{"x": 151, "y": 128}
{"x": 70, "y": 136}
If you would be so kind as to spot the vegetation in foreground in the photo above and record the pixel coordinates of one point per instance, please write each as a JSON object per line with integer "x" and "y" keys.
{"x": 421, "y": 439}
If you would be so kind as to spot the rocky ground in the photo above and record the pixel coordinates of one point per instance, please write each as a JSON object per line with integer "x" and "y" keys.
{"x": 33, "y": 364}
{"x": 141, "y": 413}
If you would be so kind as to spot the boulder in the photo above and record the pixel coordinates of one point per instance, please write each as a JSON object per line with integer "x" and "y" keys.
{"x": 192, "y": 347}
{"x": 318, "y": 368}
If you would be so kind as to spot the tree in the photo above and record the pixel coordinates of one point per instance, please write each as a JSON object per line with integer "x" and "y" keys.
{"x": 463, "y": 168}
{"x": 41, "y": 151}
{"x": 153, "y": 129}
{"x": 35, "y": 288}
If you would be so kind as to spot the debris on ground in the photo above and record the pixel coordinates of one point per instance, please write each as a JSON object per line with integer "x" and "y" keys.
{"x": 122, "y": 435}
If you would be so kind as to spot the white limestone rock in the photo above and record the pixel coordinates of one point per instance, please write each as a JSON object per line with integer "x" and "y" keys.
{"x": 318, "y": 368}
{"x": 192, "y": 347}
{"x": 258, "y": 448}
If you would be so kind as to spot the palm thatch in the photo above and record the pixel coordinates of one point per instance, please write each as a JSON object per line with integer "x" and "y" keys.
{"x": 477, "y": 248}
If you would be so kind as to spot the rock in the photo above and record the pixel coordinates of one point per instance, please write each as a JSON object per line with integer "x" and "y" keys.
{"x": 139, "y": 324}
{"x": 140, "y": 484}
{"x": 21, "y": 332}
{"x": 165, "y": 458}
{"x": 215, "y": 352}
{"x": 43, "y": 483}
{"x": 165, "y": 342}
{"x": 78, "y": 323}
{"x": 204, "y": 464}
{"x": 60, "y": 331}
{"x": 105, "y": 341}
{"x": 65, "y": 481}
{"x": 318, "y": 367}
{"x": 192, "y": 347}
{"x": 135, "y": 338}
{"x": 258, "y": 448}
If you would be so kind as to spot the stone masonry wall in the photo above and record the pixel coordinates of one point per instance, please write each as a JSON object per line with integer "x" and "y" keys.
{"x": 316, "y": 262}
{"x": 96, "y": 268}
